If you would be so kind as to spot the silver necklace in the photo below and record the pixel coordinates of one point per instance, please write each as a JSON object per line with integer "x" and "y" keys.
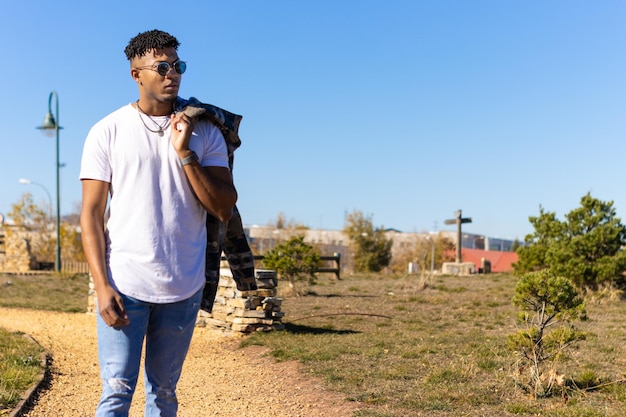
{"x": 161, "y": 128}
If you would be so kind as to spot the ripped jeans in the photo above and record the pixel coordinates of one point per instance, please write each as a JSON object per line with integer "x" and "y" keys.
{"x": 167, "y": 329}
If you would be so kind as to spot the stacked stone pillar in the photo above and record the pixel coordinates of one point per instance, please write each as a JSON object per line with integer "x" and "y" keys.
{"x": 245, "y": 311}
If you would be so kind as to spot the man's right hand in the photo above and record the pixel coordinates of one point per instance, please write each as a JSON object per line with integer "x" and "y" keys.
{"x": 111, "y": 308}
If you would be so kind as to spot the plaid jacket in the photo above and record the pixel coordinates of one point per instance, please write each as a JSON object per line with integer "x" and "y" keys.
{"x": 228, "y": 237}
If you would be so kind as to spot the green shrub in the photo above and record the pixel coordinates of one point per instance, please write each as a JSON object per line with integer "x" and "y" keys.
{"x": 548, "y": 305}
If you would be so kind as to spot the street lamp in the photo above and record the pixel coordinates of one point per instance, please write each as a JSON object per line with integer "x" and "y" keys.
{"x": 50, "y": 128}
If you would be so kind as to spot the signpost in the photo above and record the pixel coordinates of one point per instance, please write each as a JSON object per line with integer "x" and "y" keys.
{"x": 458, "y": 220}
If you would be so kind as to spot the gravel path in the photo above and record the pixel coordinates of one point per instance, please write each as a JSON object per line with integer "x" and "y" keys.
{"x": 218, "y": 379}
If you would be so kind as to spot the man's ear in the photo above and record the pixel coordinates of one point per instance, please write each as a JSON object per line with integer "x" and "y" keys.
{"x": 134, "y": 73}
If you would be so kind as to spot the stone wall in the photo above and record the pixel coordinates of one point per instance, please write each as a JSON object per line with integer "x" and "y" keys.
{"x": 17, "y": 254}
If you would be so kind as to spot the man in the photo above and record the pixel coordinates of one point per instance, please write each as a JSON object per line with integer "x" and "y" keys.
{"x": 163, "y": 171}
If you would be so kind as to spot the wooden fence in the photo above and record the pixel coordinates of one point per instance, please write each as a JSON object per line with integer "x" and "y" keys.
{"x": 334, "y": 269}
{"x": 74, "y": 267}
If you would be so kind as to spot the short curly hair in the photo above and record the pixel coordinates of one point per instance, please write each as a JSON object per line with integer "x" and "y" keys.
{"x": 147, "y": 41}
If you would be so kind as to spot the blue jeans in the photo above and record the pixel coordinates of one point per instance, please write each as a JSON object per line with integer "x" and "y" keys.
{"x": 167, "y": 329}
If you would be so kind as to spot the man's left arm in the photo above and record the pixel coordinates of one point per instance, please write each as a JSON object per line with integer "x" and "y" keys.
{"x": 214, "y": 189}
{"x": 213, "y": 186}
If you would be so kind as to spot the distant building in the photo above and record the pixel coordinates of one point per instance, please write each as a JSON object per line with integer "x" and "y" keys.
{"x": 472, "y": 241}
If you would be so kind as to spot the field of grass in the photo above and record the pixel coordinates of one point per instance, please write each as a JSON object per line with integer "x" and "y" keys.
{"x": 440, "y": 350}
{"x": 408, "y": 348}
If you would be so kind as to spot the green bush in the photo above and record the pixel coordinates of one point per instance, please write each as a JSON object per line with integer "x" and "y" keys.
{"x": 293, "y": 260}
{"x": 548, "y": 304}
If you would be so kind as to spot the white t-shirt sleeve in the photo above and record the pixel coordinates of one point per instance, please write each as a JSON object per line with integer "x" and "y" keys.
{"x": 214, "y": 152}
{"x": 95, "y": 163}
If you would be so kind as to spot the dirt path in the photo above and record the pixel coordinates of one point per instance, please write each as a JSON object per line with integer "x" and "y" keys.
{"x": 218, "y": 378}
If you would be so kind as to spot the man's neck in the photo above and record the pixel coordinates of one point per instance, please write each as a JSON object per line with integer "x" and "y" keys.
{"x": 155, "y": 108}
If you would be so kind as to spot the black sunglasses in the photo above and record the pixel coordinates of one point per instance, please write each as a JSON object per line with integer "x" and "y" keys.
{"x": 163, "y": 67}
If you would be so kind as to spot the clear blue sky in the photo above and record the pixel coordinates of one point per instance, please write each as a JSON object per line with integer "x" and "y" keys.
{"x": 404, "y": 110}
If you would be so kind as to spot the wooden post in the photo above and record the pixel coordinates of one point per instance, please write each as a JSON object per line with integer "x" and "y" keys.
{"x": 458, "y": 220}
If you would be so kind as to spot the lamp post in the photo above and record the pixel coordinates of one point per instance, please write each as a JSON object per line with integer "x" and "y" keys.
{"x": 50, "y": 128}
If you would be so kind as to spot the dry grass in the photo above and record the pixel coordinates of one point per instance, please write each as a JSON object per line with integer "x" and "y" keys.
{"x": 440, "y": 350}
{"x": 53, "y": 292}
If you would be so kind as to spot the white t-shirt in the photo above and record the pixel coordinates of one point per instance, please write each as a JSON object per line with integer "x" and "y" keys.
{"x": 156, "y": 233}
